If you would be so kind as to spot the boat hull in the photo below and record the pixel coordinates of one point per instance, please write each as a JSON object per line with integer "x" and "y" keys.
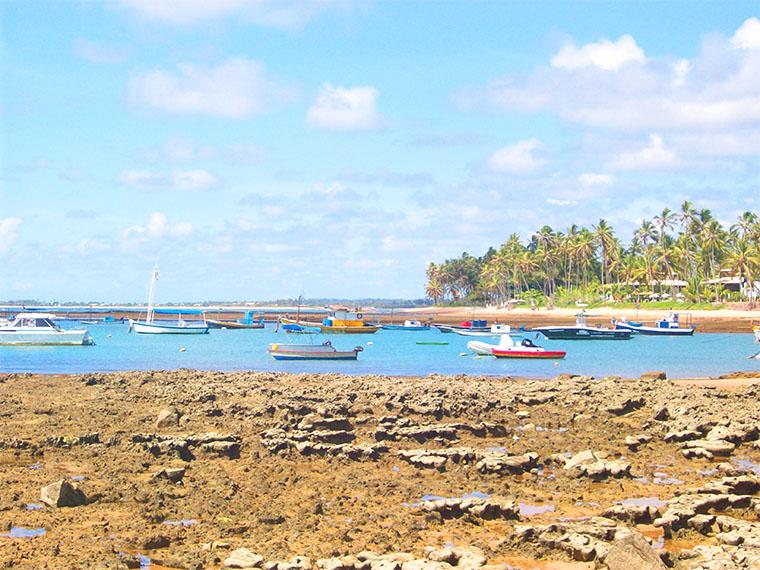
{"x": 655, "y": 331}
{"x": 45, "y": 338}
{"x": 155, "y": 328}
{"x": 583, "y": 333}
{"x": 529, "y": 354}
{"x": 365, "y": 329}
{"x": 311, "y": 352}
{"x": 405, "y": 328}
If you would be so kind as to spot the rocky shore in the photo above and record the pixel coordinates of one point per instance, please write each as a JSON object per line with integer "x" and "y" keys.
{"x": 190, "y": 469}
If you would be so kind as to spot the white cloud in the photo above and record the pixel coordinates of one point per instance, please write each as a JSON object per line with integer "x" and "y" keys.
{"x": 345, "y": 108}
{"x": 591, "y": 179}
{"x": 748, "y": 35}
{"x": 246, "y": 153}
{"x": 655, "y": 156}
{"x": 95, "y": 52}
{"x": 557, "y": 202}
{"x": 156, "y": 227}
{"x": 91, "y": 245}
{"x": 8, "y": 234}
{"x": 604, "y": 54}
{"x": 520, "y": 158}
{"x": 237, "y": 87}
{"x": 717, "y": 89}
{"x": 283, "y": 14}
{"x": 178, "y": 179}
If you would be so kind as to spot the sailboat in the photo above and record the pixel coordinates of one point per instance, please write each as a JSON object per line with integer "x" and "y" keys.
{"x": 151, "y": 326}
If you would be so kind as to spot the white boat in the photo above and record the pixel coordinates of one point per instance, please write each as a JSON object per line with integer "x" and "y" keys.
{"x": 508, "y": 349}
{"x": 324, "y": 351}
{"x": 408, "y": 326}
{"x": 497, "y": 330}
{"x": 39, "y": 329}
{"x": 669, "y": 325}
{"x": 151, "y": 326}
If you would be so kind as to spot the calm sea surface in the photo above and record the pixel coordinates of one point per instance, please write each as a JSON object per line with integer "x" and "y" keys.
{"x": 386, "y": 352}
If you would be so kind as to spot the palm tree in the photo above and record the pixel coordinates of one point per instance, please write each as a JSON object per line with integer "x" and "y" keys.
{"x": 664, "y": 222}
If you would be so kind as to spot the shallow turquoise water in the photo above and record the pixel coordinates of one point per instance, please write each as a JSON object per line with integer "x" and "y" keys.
{"x": 390, "y": 352}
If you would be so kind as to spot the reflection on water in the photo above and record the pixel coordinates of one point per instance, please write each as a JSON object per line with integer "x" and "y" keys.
{"x": 527, "y": 510}
{"x": 23, "y": 532}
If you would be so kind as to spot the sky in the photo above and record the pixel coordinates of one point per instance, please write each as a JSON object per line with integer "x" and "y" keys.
{"x": 333, "y": 148}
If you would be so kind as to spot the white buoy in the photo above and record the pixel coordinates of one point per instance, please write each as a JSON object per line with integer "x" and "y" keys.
{"x": 462, "y": 354}
{"x": 182, "y": 349}
{"x": 109, "y": 335}
{"x": 370, "y": 343}
{"x": 556, "y": 364}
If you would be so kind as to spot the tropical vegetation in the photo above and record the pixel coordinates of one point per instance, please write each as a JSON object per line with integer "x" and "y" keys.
{"x": 685, "y": 255}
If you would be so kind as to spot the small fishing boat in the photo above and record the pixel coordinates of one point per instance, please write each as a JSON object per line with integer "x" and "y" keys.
{"x": 39, "y": 329}
{"x": 297, "y": 329}
{"x": 247, "y": 322}
{"x": 581, "y": 330}
{"x": 476, "y": 325}
{"x": 496, "y": 330}
{"x": 407, "y": 326}
{"x": 432, "y": 343}
{"x": 152, "y": 326}
{"x": 508, "y": 349}
{"x": 669, "y": 325}
{"x": 324, "y": 351}
{"x": 339, "y": 321}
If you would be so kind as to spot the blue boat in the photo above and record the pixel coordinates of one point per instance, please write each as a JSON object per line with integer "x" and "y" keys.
{"x": 407, "y": 326}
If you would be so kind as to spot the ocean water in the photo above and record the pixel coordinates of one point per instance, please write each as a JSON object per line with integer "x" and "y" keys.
{"x": 386, "y": 352}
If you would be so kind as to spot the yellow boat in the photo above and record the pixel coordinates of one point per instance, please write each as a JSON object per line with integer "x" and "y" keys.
{"x": 343, "y": 321}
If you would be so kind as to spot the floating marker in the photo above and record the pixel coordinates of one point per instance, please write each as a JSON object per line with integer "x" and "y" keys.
{"x": 182, "y": 349}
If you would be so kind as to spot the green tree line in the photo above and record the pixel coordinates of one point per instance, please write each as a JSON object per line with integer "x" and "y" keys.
{"x": 593, "y": 264}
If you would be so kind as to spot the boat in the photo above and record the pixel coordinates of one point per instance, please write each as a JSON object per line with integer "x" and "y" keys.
{"x": 324, "y": 351}
{"x": 407, "y": 326}
{"x": 508, "y": 349}
{"x": 669, "y": 325}
{"x": 39, "y": 329}
{"x": 339, "y": 321}
{"x": 475, "y": 325}
{"x": 247, "y": 322}
{"x": 581, "y": 330}
{"x": 297, "y": 329}
{"x": 756, "y": 331}
{"x": 432, "y": 343}
{"x": 496, "y": 330}
{"x": 152, "y": 326}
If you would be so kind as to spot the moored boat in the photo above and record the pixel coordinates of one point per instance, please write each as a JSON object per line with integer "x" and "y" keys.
{"x": 408, "y": 326}
{"x": 247, "y": 322}
{"x": 39, "y": 329}
{"x": 508, "y": 349}
{"x": 152, "y": 326}
{"x": 340, "y": 321}
{"x": 324, "y": 351}
{"x": 478, "y": 325}
{"x": 581, "y": 330}
{"x": 669, "y": 325}
{"x": 496, "y": 330}
{"x": 756, "y": 331}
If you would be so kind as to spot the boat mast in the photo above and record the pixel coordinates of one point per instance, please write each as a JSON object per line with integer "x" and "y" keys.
{"x": 151, "y": 292}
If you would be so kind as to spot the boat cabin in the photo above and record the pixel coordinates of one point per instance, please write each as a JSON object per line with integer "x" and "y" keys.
{"x": 34, "y": 320}
{"x": 344, "y": 318}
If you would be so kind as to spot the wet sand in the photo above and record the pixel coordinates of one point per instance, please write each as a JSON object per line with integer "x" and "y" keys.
{"x": 329, "y": 467}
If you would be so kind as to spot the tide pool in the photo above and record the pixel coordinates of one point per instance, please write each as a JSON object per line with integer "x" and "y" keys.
{"x": 386, "y": 352}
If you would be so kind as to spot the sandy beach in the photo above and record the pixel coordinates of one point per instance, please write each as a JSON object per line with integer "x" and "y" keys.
{"x": 275, "y": 471}
{"x": 720, "y": 320}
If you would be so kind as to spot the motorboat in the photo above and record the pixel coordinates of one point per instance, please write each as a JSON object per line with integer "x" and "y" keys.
{"x": 247, "y": 322}
{"x": 508, "y": 349}
{"x": 669, "y": 325}
{"x": 324, "y": 351}
{"x": 475, "y": 325}
{"x": 339, "y": 321}
{"x": 581, "y": 330}
{"x": 496, "y": 330}
{"x": 407, "y": 326}
{"x": 152, "y": 326}
{"x": 39, "y": 329}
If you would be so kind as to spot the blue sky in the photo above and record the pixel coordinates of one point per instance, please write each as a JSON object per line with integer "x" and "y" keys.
{"x": 333, "y": 147}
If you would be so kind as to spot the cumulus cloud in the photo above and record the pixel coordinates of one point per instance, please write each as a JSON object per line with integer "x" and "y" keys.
{"x": 283, "y": 14}
{"x": 592, "y": 179}
{"x": 654, "y": 156}
{"x": 92, "y": 245}
{"x": 558, "y": 202}
{"x": 237, "y": 87}
{"x": 156, "y": 227}
{"x": 605, "y": 54}
{"x": 345, "y": 108}
{"x": 8, "y": 234}
{"x": 178, "y": 179}
{"x": 748, "y": 35}
{"x": 521, "y": 158}
{"x": 717, "y": 89}
{"x": 95, "y": 52}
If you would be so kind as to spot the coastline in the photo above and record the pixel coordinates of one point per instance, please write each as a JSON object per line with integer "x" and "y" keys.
{"x": 185, "y": 467}
{"x": 720, "y": 320}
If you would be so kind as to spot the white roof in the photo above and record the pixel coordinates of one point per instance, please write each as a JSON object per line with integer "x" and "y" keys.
{"x": 36, "y": 316}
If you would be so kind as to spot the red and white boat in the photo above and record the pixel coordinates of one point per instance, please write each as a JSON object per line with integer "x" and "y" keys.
{"x": 508, "y": 349}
